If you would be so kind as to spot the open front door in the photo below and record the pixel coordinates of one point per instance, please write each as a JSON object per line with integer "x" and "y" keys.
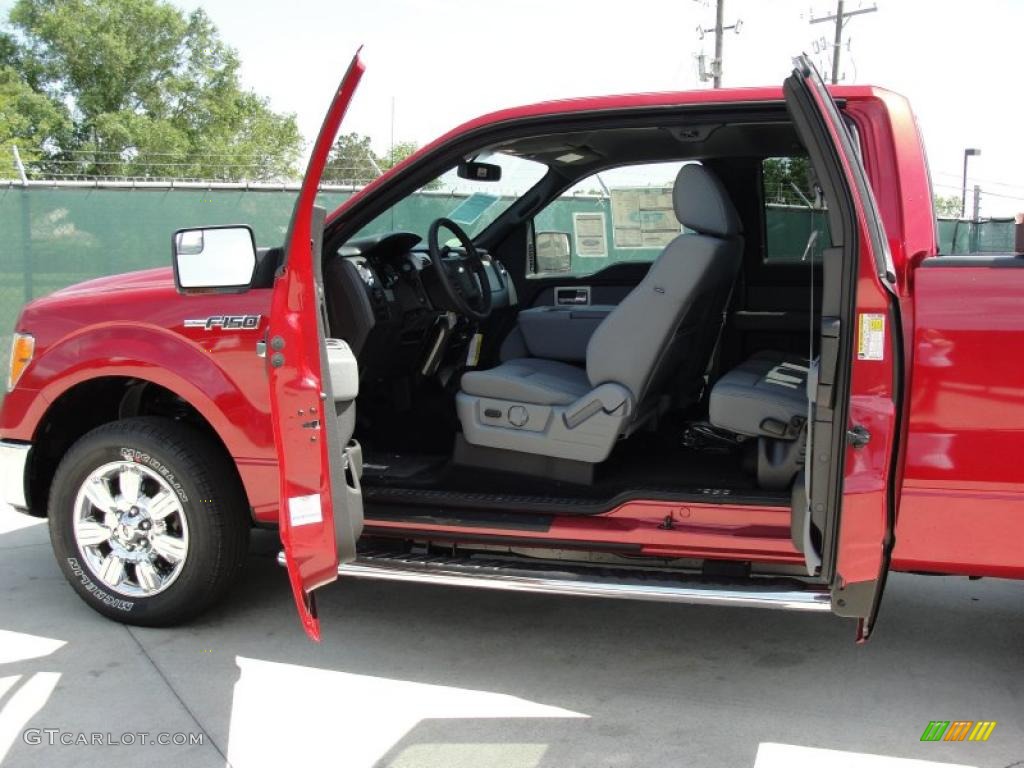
{"x": 321, "y": 511}
{"x": 851, "y": 445}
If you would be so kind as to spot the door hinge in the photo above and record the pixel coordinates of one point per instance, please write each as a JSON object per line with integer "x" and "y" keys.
{"x": 858, "y": 436}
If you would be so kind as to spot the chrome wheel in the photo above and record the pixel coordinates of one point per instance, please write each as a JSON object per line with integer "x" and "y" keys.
{"x": 130, "y": 529}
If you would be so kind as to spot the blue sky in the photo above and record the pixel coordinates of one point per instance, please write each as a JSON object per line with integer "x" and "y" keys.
{"x": 445, "y": 61}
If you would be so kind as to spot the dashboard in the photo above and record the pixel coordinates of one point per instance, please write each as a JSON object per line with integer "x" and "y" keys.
{"x": 394, "y": 270}
{"x": 384, "y": 298}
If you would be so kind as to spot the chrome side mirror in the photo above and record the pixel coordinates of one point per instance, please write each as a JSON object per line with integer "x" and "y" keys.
{"x": 214, "y": 258}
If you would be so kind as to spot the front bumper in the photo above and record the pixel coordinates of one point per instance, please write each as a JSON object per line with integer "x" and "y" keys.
{"x": 13, "y": 463}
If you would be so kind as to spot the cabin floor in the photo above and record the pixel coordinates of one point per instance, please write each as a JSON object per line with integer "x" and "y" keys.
{"x": 655, "y": 465}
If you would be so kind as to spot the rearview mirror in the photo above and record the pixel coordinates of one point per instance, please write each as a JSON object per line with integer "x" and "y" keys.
{"x": 474, "y": 171}
{"x": 553, "y": 251}
{"x": 214, "y": 258}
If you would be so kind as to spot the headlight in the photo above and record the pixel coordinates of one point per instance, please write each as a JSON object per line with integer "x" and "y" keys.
{"x": 23, "y": 347}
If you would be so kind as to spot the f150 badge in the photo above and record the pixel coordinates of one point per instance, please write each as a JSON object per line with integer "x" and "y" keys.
{"x": 226, "y": 322}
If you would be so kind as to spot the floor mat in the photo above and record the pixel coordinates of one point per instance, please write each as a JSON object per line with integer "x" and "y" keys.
{"x": 400, "y": 466}
{"x": 639, "y": 467}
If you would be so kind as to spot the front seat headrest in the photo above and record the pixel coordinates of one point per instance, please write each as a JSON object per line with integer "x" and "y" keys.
{"x": 702, "y": 204}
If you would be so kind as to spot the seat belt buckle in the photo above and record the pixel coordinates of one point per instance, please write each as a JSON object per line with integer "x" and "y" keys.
{"x": 473, "y": 350}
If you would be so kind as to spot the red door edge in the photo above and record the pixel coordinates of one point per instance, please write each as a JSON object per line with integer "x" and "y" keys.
{"x": 306, "y": 514}
{"x": 867, "y": 524}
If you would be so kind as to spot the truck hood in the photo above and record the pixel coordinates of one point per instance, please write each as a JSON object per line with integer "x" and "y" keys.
{"x": 135, "y": 302}
{"x": 160, "y": 277}
{"x": 97, "y": 300}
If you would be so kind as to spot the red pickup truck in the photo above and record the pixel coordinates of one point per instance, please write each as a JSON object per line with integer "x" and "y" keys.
{"x": 486, "y": 401}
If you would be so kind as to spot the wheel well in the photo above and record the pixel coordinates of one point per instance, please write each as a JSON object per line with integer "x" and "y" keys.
{"x": 92, "y": 403}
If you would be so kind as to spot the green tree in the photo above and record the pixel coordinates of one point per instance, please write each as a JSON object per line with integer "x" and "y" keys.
{"x": 947, "y": 206}
{"x": 150, "y": 91}
{"x": 781, "y": 174}
{"x": 397, "y": 154}
{"x": 352, "y": 161}
{"x": 29, "y": 120}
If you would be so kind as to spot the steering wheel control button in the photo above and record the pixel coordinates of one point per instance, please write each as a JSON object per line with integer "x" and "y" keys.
{"x": 518, "y": 416}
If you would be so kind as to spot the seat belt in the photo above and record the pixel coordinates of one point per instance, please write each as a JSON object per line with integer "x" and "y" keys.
{"x": 716, "y": 349}
{"x": 811, "y": 558}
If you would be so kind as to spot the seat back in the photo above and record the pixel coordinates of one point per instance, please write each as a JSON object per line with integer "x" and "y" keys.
{"x": 667, "y": 326}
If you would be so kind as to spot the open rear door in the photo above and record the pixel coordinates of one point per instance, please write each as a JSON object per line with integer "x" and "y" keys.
{"x": 851, "y": 444}
{"x": 321, "y": 510}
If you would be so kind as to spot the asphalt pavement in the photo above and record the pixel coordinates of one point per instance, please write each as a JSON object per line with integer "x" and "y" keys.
{"x": 418, "y": 676}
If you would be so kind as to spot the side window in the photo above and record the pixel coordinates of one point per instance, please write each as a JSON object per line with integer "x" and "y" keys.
{"x": 620, "y": 215}
{"x": 793, "y": 210}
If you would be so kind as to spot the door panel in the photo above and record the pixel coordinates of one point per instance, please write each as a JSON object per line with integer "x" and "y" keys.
{"x": 863, "y": 334}
{"x": 313, "y": 509}
{"x": 608, "y": 287}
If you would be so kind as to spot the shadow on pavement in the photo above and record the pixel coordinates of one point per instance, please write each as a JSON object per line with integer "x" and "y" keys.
{"x": 412, "y": 675}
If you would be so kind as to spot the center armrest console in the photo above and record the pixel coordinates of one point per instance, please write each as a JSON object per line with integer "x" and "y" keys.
{"x": 561, "y": 333}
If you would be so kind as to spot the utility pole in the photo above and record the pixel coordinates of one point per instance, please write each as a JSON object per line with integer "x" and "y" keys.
{"x": 719, "y": 20}
{"x": 837, "y": 44}
{"x": 716, "y": 65}
{"x": 840, "y": 18}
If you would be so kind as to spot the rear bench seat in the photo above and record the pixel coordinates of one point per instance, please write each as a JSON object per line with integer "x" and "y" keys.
{"x": 766, "y": 398}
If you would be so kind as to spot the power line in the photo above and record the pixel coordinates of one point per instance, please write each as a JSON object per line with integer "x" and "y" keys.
{"x": 956, "y": 188}
{"x": 1004, "y": 197}
{"x": 980, "y": 181}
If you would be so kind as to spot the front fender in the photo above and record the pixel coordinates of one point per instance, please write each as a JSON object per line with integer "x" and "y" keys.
{"x": 219, "y": 376}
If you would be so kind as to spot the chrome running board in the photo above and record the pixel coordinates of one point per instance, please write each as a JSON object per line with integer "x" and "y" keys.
{"x": 583, "y": 580}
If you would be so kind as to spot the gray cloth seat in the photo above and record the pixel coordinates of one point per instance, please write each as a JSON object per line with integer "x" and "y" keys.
{"x": 663, "y": 330}
{"x": 529, "y": 380}
{"x": 766, "y": 396}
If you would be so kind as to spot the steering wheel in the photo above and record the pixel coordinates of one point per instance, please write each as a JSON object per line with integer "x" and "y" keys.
{"x": 463, "y": 280}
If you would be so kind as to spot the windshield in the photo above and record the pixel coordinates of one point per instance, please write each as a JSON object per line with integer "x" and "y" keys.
{"x": 470, "y": 204}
